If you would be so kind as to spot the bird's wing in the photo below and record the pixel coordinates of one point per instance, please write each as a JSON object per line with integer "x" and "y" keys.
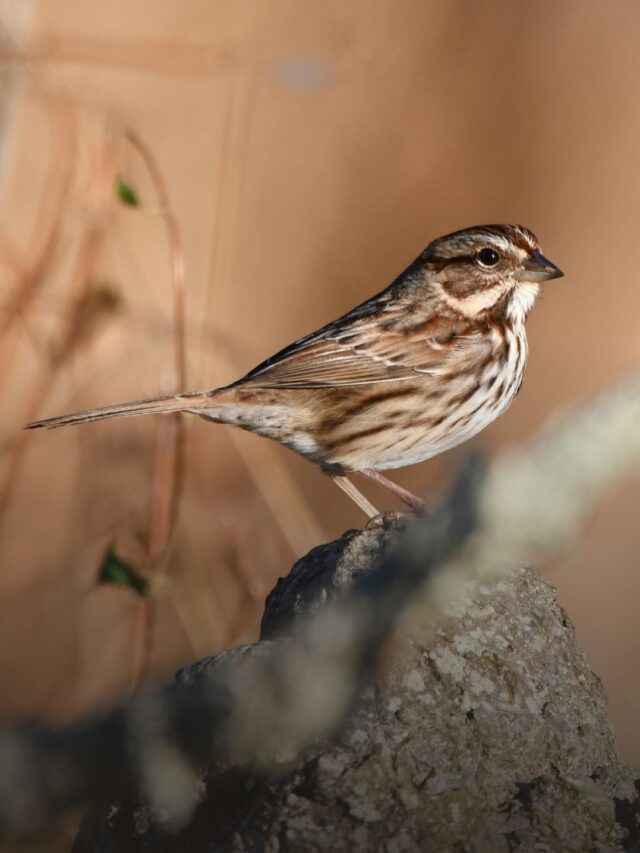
{"x": 370, "y": 349}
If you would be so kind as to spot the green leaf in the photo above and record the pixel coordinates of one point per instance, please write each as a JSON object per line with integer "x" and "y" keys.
{"x": 114, "y": 571}
{"x": 126, "y": 193}
{"x": 106, "y": 296}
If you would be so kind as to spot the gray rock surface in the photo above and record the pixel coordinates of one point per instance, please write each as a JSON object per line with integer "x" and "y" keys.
{"x": 487, "y": 733}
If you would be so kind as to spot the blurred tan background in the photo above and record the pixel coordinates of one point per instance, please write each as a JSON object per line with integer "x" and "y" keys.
{"x": 309, "y": 152}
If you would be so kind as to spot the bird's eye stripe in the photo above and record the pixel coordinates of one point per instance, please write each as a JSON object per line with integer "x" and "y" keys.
{"x": 440, "y": 262}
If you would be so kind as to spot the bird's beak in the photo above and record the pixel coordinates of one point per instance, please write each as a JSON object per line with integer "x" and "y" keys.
{"x": 538, "y": 268}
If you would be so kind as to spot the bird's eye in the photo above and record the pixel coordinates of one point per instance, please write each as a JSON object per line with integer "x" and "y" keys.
{"x": 488, "y": 257}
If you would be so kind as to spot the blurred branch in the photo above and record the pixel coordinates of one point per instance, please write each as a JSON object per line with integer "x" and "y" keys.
{"x": 260, "y": 709}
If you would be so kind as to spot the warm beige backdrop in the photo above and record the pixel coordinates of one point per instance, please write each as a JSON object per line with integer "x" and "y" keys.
{"x": 310, "y": 151}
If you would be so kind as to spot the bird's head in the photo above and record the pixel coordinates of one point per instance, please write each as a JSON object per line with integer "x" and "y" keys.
{"x": 489, "y": 269}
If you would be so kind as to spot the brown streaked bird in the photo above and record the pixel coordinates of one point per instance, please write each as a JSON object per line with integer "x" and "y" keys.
{"x": 414, "y": 371}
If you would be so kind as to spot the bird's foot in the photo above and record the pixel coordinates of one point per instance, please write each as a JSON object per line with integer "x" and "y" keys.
{"x": 414, "y": 503}
{"x": 388, "y": 519}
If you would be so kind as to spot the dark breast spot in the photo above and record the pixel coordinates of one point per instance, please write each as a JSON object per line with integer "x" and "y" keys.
{"x": 436, "y": 393}
{"x": 488, "y": 384}
{"x": 462, "y": 420}
{"x": 485, "y": 362}
{"x": 464, "y": 397}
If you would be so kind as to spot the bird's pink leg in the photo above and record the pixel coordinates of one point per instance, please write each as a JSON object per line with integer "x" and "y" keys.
{"x": 407, "y": 497}
{"x": 356, "y": 496}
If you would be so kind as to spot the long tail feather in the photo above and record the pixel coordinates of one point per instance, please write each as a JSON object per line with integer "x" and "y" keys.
{"x": 155, "y": 405}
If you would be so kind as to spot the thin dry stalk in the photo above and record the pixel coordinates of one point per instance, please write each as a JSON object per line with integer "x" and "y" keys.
{"x": 50, "y": 222}
{"x": 41, "y": 389}
{"x": 80, "y": 316}
{"x": 168, "y": 477}
{"x": 176, "y": 254}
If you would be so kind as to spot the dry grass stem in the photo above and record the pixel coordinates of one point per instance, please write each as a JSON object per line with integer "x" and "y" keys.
{"x": 168, "y": 477}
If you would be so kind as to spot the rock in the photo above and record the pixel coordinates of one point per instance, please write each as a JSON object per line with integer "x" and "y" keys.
{"x": 486, "y": 733}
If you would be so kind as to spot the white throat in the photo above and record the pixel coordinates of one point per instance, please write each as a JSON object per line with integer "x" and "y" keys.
{"x": 522, "y": 300}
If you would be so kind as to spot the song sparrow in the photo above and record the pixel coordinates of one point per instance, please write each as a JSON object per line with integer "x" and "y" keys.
{"x": 419, "y": 368}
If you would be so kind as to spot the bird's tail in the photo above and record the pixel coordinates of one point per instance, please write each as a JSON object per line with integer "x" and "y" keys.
{"x": 171, "y": 403}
